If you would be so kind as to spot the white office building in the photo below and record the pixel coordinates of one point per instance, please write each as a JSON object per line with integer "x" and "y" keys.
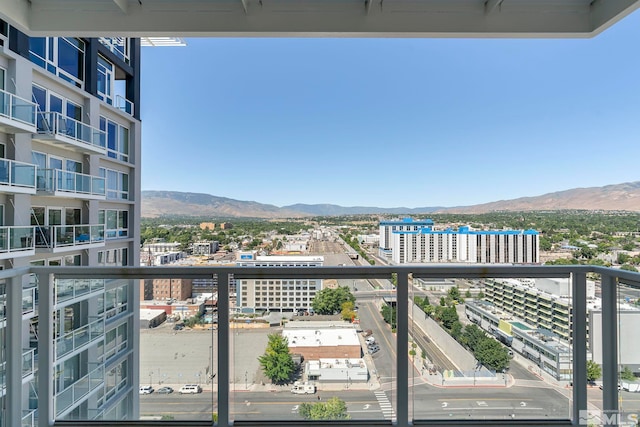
{"x": 286, "y": 295}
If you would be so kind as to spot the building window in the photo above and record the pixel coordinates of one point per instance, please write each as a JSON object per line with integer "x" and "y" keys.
{"x": 105, "y": 80}
{"x": 61, "y": 56}
{"x": 118, "y": 45}
{"x": 117, "y": 184}
{"x": 116, "y": 223}
{"x": 117, "y": 139}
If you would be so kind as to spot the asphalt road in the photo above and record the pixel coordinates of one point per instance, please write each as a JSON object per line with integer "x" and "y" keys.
{"x": 429, "y": 403}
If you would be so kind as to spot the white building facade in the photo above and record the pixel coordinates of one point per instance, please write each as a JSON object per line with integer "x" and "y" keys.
{"x": 409, "y": 241}
{"x": 69, "y": 196}
{"x": 284, "y": 295}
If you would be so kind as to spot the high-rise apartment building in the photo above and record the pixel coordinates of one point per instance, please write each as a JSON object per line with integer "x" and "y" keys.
{"x": 69, "y": 193}
{"x": 408, "y": 241}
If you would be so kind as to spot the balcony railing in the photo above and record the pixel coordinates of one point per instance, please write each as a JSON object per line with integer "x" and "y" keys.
{"x": 68, "y": 236}
{"x": 20, "y": 177}
{"x": 16, "y": 114}
{"x": 79, "y": 338}
{"x": 53, "y": 126}
{"x": 28, "y": 362}
{"x": 79, "y": 389}
{"x": 29, "y": 418}
{"x": 124, "y": 104}
{"x": 14, "y": 240}
{"x": 80, "y": 184}
{"x": 406, "y": 410}
{"x": 29, "y": 300}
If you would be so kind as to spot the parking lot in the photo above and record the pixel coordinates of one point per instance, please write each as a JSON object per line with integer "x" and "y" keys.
{"x": 190, "y": 356}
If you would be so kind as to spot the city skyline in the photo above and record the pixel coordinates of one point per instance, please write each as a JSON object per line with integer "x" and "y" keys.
{"x": 404, "y": 122}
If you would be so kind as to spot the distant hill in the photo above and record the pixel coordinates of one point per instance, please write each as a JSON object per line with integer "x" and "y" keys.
{"x": 158, "y": 203}
{"x": 336, "y": 210}
{"x": 618, "y": 197}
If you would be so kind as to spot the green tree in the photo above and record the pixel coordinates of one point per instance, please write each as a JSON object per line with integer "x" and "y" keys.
{"x": 348, "y": 312}
{"x": 627, "y": 374}
{"x": 480, "y": 295}
{"x": 454, "y": 293}
{"x": 628, "y": 268}
{"x": 456, "y": 329}
{"x": 472, "y": 336}
{"x": 448, "y": 317}
{"x": 492, "y": 354}
{"x": 593, "y": 371}
{"x": 277, "y": 363}
{"x": 332, "y": 409}
{"x": 330, "y": 300}
{"x": 467, "y": 294}
{"x": 443, "y": 302}
{"x": 389, "y": 315}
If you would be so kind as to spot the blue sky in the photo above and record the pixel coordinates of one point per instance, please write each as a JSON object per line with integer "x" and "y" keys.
{"x": 392, "y": 122}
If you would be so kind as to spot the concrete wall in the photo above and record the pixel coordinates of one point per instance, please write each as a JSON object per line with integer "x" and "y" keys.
{"x": 449, "y": 346}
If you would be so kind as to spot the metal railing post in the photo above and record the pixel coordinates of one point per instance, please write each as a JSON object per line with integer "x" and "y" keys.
{"x": 402, "y": 338}
{"x": 609, "y": 345}
{"x": 223, "y": 350}
{"x": 579, "y": 348}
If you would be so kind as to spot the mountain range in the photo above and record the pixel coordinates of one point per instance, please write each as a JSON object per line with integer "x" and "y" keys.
{"x": 617, "y": 197}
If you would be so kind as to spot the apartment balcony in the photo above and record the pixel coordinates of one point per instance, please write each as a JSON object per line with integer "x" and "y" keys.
{"x": 68, "y": 133}
{"x": 17, "y": 242}
{"x": 79, "y": 391}
{"x": 65, "y": 238}
{"x": 29, "y": 418}
{"x": 17, "y": 115}
{"x": 59, "y": 183}
{"x": 79, "y": 338}
{"x": 124, "y": 104}
{"x": 387, "y": 398}
{"x": 17, "y": 177}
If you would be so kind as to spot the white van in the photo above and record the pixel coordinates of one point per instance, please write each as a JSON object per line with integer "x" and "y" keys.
{"x": 370, "y": 340}
{"x": 190, "y": 389}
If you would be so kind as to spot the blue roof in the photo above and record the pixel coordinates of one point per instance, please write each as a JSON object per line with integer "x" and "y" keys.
{"x": 408, "y": 221}
{"x": 465, "y": 230}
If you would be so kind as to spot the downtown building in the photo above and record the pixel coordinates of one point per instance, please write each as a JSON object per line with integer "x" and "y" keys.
{"x": 69, "y": 196}
{"x": 281, "y": 295}
{"x": 535, "y": 318}
{"x": 408, "y": 241}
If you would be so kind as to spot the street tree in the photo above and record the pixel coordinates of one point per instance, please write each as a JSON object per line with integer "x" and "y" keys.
{"x": 348, "y": 311}
{"x": 593, "y": 371}
{"x": 332, "y": 409}
{"x": 330, "y": 300}
{"x": 276, "y": 362}
{"x": 492, "y": 354}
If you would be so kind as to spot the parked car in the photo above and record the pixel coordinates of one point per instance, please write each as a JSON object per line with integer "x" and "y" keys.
{"x": 145, "y": 389}
{"x": 190, "y": 389}
{"x": 178, "y": 326}
{"x": 164, "y": 390}
{"x": 374, "y": 349}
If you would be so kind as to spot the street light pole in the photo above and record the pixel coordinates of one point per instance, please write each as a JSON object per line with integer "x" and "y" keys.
{"x": 245, "y": 381}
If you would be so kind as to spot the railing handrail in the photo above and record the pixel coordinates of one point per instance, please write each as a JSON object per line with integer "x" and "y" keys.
{"x": 55, "y": 130}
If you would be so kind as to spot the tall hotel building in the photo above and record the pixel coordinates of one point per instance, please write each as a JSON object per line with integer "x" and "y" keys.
{"x": 69, "y": 196}
{"x": 408, "y": 241}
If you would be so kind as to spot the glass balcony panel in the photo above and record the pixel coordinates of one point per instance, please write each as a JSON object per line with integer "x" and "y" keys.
{"x": 28, "y": 300}
{"x": 29, "y": 418}
{"x": 23, "y": 110}
{"x": 28, "y": 358}
{"x": 17, "y": 108}
{"x": 460, "y": 347}
{"x": 189, "y": 356}
{"x": 22, "y": 174}
{"x": 53, "y": 123}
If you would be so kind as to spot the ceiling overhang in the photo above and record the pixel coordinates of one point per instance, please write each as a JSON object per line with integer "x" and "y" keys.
{"x": 316, "y": 18}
